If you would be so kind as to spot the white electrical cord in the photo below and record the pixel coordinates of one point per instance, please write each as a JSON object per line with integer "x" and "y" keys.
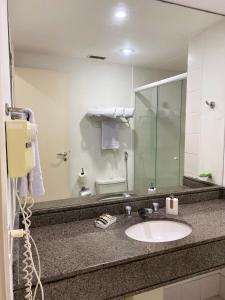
{"x": 29, "y": 267}
{"x": 38, "y": 276}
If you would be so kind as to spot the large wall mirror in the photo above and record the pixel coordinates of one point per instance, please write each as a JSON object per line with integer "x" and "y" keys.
{"x": 128, "y": 96}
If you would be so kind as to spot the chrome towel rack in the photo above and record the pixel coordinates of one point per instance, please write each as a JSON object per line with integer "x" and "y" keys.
{"x": 9, "y": 109}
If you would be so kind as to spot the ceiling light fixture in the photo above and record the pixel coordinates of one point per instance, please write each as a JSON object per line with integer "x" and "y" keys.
{"x": 121, "y": 14}
{"x": 127, "y": 51}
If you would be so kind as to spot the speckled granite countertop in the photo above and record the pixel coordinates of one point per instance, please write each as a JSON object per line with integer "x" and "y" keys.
{"x": 95, "y": 200}
{"x": 79, "y": 247}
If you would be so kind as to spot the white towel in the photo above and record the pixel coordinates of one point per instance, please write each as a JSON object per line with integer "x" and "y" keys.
{"x": 110, "y": 135}
{"x": 102, "y": 112}
{"x": 111, "y": 112}
{"x": 33, "y": 183}
{"x": 119, "y": 112}
{"x": 128, "y": 112}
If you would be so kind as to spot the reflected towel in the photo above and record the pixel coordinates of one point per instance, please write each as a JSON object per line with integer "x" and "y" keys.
{"x": 111, "y": 112}
{"x": 119, "y": 112}
{"x": 33, "y": 183}
{"x": 102, "y": 112}
{"x": 110, "y": 135}
{"x": 128, "y": 112}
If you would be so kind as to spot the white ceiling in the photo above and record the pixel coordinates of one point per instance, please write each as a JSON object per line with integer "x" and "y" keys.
{"x": 158, "y": 32}
{"x": 216, "y": 6}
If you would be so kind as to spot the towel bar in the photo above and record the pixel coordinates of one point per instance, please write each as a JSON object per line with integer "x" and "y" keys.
{"x": 9, "y": 109}
{"x": 117, "y": 119}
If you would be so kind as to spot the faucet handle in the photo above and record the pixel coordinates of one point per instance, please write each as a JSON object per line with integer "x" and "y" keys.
{"x": 128, "y": 210}
{"x": 155, "y": 207}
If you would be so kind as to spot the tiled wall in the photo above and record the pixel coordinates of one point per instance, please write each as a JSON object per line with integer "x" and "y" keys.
{"x": 199, "y": 288}
{"x": 204, "y": 137}
{"x": 222, "y": 283}
{"x": 153, "y": 295}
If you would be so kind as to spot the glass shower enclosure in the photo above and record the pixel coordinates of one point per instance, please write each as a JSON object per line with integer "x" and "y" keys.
{"x": 159, "y": 133}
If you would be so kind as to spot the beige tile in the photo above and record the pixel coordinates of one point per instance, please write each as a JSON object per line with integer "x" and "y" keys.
{"x": 222, "y": 272}
{"x": 222, "y": 286}
{"x": 210, "y": 286}
{"x": 191, "y": 291}
{"x": 152, "y": 295}
{"x": 172, "y": 292}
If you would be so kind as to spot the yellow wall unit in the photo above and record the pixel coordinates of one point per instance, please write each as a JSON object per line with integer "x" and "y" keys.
{"x": 19, "y": 147}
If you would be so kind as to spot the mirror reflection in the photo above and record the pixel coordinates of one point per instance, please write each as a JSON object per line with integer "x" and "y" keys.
{"x": 123, "y": 98}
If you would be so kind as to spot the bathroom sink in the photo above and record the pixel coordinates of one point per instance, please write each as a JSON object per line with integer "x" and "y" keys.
{"x": 157, "y": 231}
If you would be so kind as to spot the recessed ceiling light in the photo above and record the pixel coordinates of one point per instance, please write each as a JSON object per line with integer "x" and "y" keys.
{"x": 120, "y": 14}
{"x": 127, "y": 51}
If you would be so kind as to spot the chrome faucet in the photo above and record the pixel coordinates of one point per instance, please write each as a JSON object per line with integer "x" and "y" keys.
{"x": 155, "y": 207}
{"x": 128, "y": 210}
{"x": 146, "y": 212}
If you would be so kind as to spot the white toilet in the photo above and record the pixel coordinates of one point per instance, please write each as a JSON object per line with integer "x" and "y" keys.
{"x": 114, "y": 185}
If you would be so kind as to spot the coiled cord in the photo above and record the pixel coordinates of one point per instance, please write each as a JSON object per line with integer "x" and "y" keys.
{"x": 28, "y": 262}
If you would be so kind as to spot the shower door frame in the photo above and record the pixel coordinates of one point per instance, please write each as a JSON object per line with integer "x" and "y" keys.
{"x": 157, "y": 84}
{"x": 161, "y": 82}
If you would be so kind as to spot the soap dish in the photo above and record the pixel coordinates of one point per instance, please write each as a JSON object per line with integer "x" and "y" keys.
{"x": 105, "y": 221}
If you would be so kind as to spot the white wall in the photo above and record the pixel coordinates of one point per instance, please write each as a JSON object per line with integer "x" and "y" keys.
{"x": 97, "y": 84}
{"x": 92, "y": 84}
{"x": 142, "y": 76}
{"x": 204, "y": 139}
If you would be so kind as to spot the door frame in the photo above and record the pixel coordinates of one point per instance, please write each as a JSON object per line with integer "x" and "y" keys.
{"x": 6, "y": 211}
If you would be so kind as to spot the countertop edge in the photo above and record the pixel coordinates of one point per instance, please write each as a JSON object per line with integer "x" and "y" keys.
{"x": 150, "y": 273}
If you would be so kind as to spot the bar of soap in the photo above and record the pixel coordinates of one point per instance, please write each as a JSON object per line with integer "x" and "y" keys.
{"x": 105, "y": 221}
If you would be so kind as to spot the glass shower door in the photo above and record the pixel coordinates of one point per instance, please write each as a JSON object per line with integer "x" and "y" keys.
{"x": 145, "y": 139}
{"x": 169, "y": 134}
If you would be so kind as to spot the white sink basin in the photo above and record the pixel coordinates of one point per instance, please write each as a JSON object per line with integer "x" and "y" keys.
{"x": 157, "y": 231}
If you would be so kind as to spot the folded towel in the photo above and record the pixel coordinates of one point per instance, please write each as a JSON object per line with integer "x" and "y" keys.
{"x": 102, "y": 112}
{"x": 111, "y": 112}
{"x": 119, "y": 111}
{"x": 128, "y": 112}
{"x": 32, "y": 185}
{"x": 110, "y": 135}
